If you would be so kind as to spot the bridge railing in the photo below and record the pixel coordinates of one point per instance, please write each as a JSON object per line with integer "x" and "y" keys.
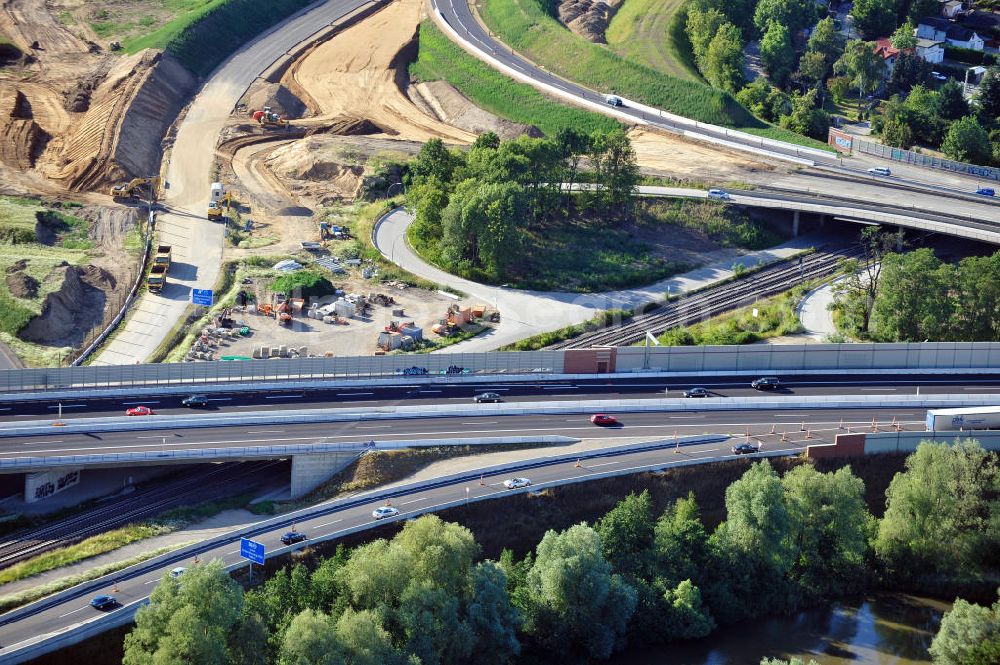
{"x": 770, "y": 358}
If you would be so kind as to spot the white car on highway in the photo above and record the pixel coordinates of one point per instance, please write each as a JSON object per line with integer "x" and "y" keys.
{"x": 516, "y": 483}
{"x": 719, "y": 194}
{"x": 383, "y": 512}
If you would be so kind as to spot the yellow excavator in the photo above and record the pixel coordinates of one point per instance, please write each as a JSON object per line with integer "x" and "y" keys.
{"x": 134, "y": 188}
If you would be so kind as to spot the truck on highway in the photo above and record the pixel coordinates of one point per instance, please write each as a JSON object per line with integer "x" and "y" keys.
{"x": 162, "y": 256}
{"x": 157, "y": 278}
{"x": 953, "y": 420}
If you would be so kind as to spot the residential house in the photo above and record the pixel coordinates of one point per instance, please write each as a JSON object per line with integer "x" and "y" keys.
{"x": 933, "y": 28}
{"x": 951, "y": 8}
{"x": 888, "y": 52}
{"x": 940, "y": 29}
{"x": 930, "y": 51}
{"x": 962, "y": 37}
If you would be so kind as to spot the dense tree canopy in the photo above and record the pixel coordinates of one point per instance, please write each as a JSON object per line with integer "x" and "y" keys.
{"x": 969, "y": 635}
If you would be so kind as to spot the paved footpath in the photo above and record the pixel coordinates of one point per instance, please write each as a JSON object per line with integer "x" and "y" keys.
{"x": 525, "y": 313}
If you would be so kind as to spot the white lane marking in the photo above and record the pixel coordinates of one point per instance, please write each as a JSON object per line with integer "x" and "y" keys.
{"x": 979, "y": 390}
{"x": 220, "y": 399}
{"x": 488, "y": 422}
{"x": 560, "y": 388}
{"x": 233, "y": 552}
{"x": 353, "y": 394}
{"x": 879, "y": 390}
{"x": 68, "y": 406}
{"x": 73, "y": 611}
{"x": 590, "y": 428}
{"x": 265, "y": 431}
{"x": 158, "y": 436}
{"x": 282, "y": 396}
{"x": 38, "y": 443}
{"x": 150, "y": 582}
{"x": 594, "y": 466}
{"x": 358, "y": 401}
{"x": 130, "y": 403}
{"x": 6, "y": 408}
{"x": 320, "y": 526}
{"x": 788, "y": 415}
{"x": 430, "y": 391}
{"x": 684, "y": 417}
{"x": 406, "y": 503}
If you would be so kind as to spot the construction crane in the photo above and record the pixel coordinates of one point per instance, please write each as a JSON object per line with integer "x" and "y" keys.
{"x": 130, "y": 190}
{"x": 268, "y": 118}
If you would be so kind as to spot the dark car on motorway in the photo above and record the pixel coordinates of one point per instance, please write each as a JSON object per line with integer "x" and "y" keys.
{"x": 488, "y": 397}
{"x": 745, "y": 448}
{"x": 697, "y": 392}
{"x": 104, "y": 602}
{"x": 766, "y": 383}
{"x": 195, "y": 401}
{"x": 293, "y": 537}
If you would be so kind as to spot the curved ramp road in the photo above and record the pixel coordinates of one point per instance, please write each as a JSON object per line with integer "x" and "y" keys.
{"x": 525, "y": 313}
{"x": 70, "y": 614}
{"x": 458, "y": 21}
{"x": 197, "y": 242}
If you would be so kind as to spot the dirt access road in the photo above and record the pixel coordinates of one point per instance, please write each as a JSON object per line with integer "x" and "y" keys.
{"x": 197, "y": 243}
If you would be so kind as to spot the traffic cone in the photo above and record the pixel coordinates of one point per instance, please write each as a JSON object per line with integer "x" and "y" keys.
{"x": 841, "y": 426}
{"x": 772, "y": 428}
{"x": 481, "y": 483}
{"x": 784, "y": 436}
{"x": 874, "y": 425}
{"x": 196, "y": 560}
{"x": 578, "y": 465}
{"x": 802, "y": 427}
{"x": 809, "y": 434}
{"x": 746, "y": 438}
{"x": 114, "y": 589}
{"x": 848, "y": 429}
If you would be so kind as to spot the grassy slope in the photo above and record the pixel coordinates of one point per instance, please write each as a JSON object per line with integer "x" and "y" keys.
{"x": 646, "y": 31}
{"x": 203, "y": 35}
{"x": 440, "y": 59}
{"x": 18, "y": 217}
{"x": 527, "y": 28}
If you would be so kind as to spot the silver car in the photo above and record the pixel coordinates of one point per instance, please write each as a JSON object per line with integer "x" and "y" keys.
{"x": 383, "y": 512}
{"x": 516, "y": 483}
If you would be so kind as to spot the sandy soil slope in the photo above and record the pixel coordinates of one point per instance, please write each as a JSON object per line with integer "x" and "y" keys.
{"x": 344, "y": 80}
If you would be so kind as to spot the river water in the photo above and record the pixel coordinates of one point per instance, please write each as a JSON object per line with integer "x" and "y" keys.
{"x": 888, "y": 629}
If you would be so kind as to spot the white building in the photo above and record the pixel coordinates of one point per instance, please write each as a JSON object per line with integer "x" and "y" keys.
{"x": 930, "y": 51}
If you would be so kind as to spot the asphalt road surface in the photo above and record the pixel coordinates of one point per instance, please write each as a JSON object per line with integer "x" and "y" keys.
{"x": 417, "y": 393}
{"x": 459, "y": 16}
{"x": 333, "y": 518}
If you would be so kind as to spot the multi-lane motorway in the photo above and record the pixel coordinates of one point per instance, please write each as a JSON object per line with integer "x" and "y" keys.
{"x": 425, "y": 393}
{"x": 337, "y": 517}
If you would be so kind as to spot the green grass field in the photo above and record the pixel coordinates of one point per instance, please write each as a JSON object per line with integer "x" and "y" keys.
{"x": 203, "y": 33}
{"x": 440, "y": 59}
{"x": 651, "y": 32}
{"x": 18, "y": 217}
{"x": 525, "y": 26}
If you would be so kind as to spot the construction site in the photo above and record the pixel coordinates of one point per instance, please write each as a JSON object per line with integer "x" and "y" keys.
{"x": 82, "y": 124}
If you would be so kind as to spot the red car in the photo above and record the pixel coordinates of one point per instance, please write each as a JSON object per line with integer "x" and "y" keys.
{"x": 603, "y": 419}
{"x": 140, "y": 411}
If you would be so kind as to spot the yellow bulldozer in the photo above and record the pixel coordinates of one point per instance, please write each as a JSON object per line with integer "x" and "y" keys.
{"x": 135, "y": 188}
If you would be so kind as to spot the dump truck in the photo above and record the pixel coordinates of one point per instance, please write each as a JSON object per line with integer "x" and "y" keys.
{"x": 162, "y": 256}
{"x": 157, "y": 278}
{"x": 268, "y": 118}
{"x": 135, "y": 187}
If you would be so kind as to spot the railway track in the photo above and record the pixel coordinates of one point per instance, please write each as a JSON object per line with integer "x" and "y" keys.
{"x": 716, "y": 300}
{"x": 202, "y": 484}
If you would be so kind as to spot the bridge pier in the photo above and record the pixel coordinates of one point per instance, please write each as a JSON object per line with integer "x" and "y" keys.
{"x": 311, "y": 471}
{"x": 795, "y": 224}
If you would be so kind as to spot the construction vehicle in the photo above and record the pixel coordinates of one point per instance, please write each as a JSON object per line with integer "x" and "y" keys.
{"x": 157, "y": 278}
{"x": 162, "y": 256}
{"x": 268, "y": 118}
{"x": 220, "y": 201}
{"x": 133, "y": 188}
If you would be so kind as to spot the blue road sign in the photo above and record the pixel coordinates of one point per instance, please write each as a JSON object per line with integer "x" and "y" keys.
{"x": 252, "y": 550}
{"x": 201, "y": 297}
